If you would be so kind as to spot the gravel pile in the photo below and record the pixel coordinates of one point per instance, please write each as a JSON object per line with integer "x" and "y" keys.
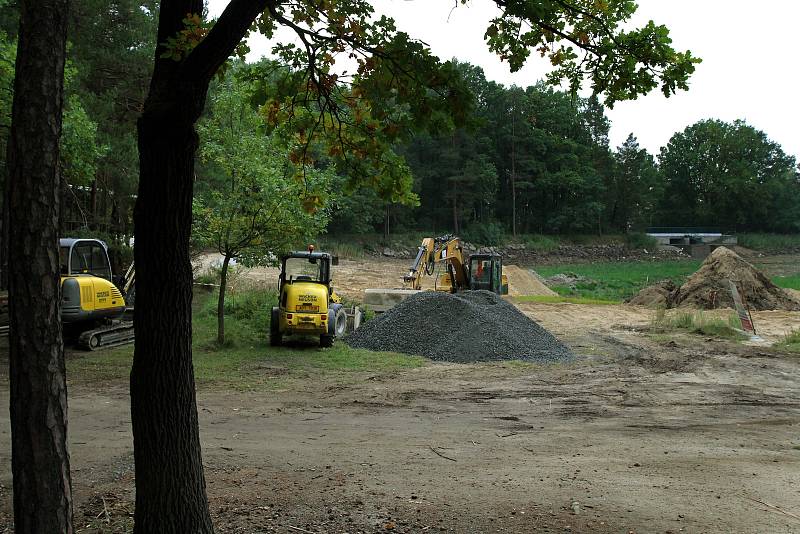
{"x": 464, "y": 327}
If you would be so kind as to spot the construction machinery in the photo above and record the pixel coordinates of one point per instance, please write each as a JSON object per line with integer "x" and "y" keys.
{"x": 481, "y": 271}
{"x": 308, "y": 305}
{"x": 442, "y": 258}
{"x": 92, "y": 303}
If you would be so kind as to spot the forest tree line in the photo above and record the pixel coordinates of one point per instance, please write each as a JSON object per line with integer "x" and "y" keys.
{"x": 525, "y": 160}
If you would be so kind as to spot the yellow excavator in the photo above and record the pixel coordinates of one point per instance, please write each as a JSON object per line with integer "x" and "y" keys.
{"x": 92, "y": 300}
{"x": 480, "y": 271}
{"x": 307, "y": 304}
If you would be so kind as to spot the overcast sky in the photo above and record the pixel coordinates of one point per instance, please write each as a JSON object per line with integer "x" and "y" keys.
{"x": 749, "y": 68}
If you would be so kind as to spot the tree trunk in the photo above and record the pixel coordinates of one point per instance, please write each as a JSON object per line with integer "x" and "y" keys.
{"x": 39, "y": 456}
{"x": 93, "y": 205}
{"x": 223, "y": 284}
{"x": 4, "y": 237}
{"x": 170, "y": 486}
{"x": 455, "y": 209}
{"x": 386, "y": 224}
{"x": 514, "y": 170}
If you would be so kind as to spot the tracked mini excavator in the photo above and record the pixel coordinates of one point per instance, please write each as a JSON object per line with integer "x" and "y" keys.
{"x": 92, "y": 301}
{"x": 442, "y": 258}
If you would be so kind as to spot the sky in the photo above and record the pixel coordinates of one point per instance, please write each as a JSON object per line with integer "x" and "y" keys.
{"x": 749, "y": 70}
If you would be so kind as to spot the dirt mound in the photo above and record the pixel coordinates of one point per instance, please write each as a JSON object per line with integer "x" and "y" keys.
{"x": 522, "y": 282}
{"x": 708, "y": 288}
{"x": 565, "y": 279}
{"x": 658, "y": 295}
{"x": 462, "y": 327}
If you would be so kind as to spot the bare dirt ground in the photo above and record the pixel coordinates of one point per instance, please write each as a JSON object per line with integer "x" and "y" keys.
{"x": 640, "y": 434}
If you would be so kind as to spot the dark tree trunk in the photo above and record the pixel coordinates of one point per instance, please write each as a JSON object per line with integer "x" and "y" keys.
{"x": 93, "y": 205}
{"x": 223, "y": 285}
{"x": 39, "y": 456}
{"x": 170, "y": 485}
{"x": 455, "y": 208}
{"x": 387, "y": 220}
{"x": 4, "y": 237}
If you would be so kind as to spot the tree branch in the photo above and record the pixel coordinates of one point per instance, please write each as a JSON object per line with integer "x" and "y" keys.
{"x": 223, "y": 38}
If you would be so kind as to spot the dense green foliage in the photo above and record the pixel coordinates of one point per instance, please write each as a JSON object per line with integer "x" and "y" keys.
{"x": 249, "y": 203}
{"x": 449, "y": 151}
{"x": 730, "y": 175}
{"x": 538, "y": 161}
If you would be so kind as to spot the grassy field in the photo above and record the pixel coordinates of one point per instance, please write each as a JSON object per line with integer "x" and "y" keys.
{"x": 618, "y": 281}
{"x": 246, "y": 362}
{"x": 791, "y": 282}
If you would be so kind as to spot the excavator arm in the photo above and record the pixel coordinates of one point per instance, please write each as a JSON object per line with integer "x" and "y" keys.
{"x": 423, "y": 264}
{"x": 445, "y": 249}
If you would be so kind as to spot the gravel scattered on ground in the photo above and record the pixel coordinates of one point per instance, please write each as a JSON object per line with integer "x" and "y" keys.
{"x": 463, "y": 327}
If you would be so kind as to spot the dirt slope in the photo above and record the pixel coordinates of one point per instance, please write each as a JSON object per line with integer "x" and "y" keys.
{"x": 521, "y": 282}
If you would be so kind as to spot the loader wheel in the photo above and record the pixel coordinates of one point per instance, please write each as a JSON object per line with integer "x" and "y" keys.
{"x": 326, "y": 341}
{"x": 275, "y": 336}
{"x": 340, "y": 322}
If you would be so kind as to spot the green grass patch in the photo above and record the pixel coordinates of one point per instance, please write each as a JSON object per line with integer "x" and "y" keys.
{"x": 246, "y": 362}
{"x": 770, "y": 242}
{"x": 788, "y": 282}
{"x": 555, "y": 299}
{"x": 698, "y": 323}
{"x": 618, "y": 281}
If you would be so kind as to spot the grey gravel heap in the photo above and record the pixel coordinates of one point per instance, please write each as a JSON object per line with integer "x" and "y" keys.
{"x": 464, "y": 327}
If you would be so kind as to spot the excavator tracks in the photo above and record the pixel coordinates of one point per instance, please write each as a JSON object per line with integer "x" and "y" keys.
{"x": 118, "y": 333}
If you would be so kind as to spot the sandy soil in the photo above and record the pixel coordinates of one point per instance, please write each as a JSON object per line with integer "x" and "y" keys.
{"x": 640, "y": 434}
{"x": 350, "y": 278}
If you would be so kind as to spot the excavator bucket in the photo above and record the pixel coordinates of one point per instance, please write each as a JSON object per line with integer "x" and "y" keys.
{"x": 380, "y": 300}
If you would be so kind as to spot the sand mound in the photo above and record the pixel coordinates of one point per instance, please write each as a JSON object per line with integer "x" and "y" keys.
{"x": 461, "y": 327}
{"x": 708, "y": 288}
{"x": 522, "y": 282}
{"x": 658, "y": 295}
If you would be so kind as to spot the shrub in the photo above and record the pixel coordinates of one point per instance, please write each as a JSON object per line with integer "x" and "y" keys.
{"x": 698, "y": 323}
{"x": 487, "y": 234}
{"x": 637, "y": 241}
{"x": 541, "y": 243}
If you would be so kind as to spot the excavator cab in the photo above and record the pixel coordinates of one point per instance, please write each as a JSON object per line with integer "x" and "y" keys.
{"x": 486, "y": 272}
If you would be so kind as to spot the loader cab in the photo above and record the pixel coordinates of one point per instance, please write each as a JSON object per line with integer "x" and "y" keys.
{"x": 306, "y": 267}
{"x": 84, "y": 257}
{"x": 486, "y": 272}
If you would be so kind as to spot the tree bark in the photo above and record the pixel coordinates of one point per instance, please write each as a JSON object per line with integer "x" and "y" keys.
{"x": 170, "y": 484}
{"x": 39, "y": 456}
{"x": 223, "y": 284}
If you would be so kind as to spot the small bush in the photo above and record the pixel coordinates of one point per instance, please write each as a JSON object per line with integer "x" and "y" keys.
{"x": 791, "y": 342}
{"x": 350, "y": 250}
{"x": 540, "y": 243}
{"x": 770, "y": 242}
{"x": 638, "y": 241}
{"x": 698, "y": 323}
{"x": 487, "y": 234}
